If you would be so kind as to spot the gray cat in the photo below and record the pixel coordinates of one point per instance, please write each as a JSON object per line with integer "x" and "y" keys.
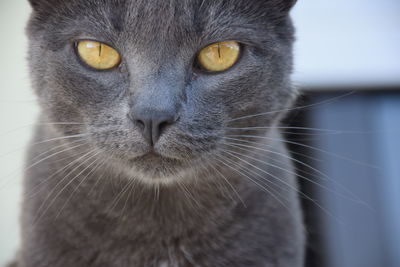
{"x": 160, "y": 145}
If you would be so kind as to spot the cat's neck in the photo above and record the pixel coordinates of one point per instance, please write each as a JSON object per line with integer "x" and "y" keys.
{"x": 171, "y": 209}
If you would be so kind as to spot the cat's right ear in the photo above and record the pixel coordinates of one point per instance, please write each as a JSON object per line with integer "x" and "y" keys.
{"x": 43, "y": 5}
{"x": 35, "y": 4}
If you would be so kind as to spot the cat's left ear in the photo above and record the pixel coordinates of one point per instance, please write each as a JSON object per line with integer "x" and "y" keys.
{"x": 283, "y": 6}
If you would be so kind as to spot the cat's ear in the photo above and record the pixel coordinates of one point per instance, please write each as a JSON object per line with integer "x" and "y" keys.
{"x": 283, "y": 6}
{"x": 35, "y": 4}
{"x": 40, "y": 5}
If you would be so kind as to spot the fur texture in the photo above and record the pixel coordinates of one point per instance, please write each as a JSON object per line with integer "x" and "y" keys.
{"x": 105, "y": 196}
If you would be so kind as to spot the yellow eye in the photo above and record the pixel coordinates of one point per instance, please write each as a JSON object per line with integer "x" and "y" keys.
{"x": 219, "y": 56}
{"x": 98, "y": 55}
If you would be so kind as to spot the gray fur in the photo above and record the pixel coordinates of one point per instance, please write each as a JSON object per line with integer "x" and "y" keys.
{"x": 126, "y": 207}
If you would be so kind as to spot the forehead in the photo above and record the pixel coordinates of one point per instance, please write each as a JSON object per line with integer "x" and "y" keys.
{"x": 164, "y": 19}
{"x": 161, "y": 11}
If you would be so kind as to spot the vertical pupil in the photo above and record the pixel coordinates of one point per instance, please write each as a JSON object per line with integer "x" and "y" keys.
{"x": 101, "y": 46}
{"x": 219, "y": 50}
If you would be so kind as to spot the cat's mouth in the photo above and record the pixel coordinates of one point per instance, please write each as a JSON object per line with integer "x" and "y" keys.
{"x": 151, "y": 156}
{"x": 169, "y": 159}
{"x": 154, "y": 155}
{"x": 155, "y": 167}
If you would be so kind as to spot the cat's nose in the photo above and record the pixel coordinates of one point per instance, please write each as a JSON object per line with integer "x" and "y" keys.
{"x": 153, "y": 123}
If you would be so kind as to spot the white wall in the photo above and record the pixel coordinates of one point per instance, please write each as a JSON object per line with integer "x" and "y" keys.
{"x": 347, "y": 43}
{"x": 16, "y": 109}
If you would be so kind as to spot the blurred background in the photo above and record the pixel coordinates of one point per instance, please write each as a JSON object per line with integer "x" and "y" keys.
{"x": 348, "y": 128}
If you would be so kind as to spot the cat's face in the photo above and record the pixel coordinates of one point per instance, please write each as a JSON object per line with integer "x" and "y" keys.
{"x": 157, "y": 112}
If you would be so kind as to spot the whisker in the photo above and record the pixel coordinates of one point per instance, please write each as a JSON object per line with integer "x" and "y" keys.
{"x": 227, "y": 181}
{"x": 217, "y": 181}
{"x": 9, "y": 176}
{"x": 21, "y": 127}
{"x": 274, "y": 152}
{"x": 291, "y": 151}
{"x": 284, "y": 182}
{"x": 41, "y": 214}
{"x": 132, "y": 189}
{"x": 30, "y": 194}
{"x": 100, "y": 161}
{"x": 310, "y": 147}
{"x": 246, "y": 172}
{"x": 103, "y": 174}
{"x": 61, "y": 138}
{"x": 354, "y": 197}
{"x": 221, "y": 186}
{"x": 305, "y": 129}
{"x": 287, "y": 128}
{"x": 42, "y": 142}
{"x": 263, "y": 187}
{"x": 295, "y": 108}
{"x": 190, "y": 195}
{"x": 263, "y": 171}
{"x": 157, "y": 192}
{"x": 266, "y": 163}
{"x": 190, "y": 199}
{"x": 273, "y": 159}
{"x": 118, "y": 197}
{"x": 54, "y": 148}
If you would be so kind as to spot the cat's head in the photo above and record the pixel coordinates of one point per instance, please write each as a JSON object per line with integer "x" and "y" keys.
{"x": 150, "y": 103}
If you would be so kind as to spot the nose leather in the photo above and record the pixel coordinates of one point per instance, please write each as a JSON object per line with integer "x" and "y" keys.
{"x": 153, "y": 123}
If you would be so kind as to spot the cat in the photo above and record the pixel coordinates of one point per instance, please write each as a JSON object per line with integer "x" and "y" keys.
{"x": 158, "y": 142}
